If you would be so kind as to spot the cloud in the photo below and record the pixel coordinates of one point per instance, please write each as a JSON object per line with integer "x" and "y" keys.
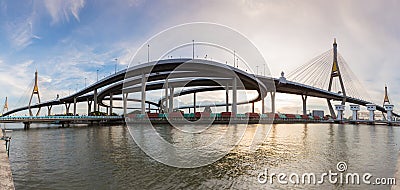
{"x": 62, "y": 10}
{"x": 21, "y": 33}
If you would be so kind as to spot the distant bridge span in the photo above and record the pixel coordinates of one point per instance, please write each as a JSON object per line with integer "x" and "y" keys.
{"x": 113, "y": 84}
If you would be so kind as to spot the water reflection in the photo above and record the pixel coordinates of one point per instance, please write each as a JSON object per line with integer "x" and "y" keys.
{"x": 108, "y": 158}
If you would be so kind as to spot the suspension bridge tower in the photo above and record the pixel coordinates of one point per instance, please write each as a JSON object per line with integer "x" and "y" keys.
{"x": 386, "y": 98}
{"x": 388, "y": 107}
{"x": 34, "y": 92}
{"x": 335, "y": 73}
{"x": 5, "y": 107}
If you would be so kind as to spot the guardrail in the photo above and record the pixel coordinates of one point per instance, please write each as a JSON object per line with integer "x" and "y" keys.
{"x": 13, "y": 118}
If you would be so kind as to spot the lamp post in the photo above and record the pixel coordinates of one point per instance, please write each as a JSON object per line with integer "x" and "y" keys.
{"x": 264, "y": 69}
{"x": 7, "y": 137}
{"x": 116, "y": 62}
{"x": 85, "y": 82}
{"x": 257, "y": 70}
{"x": 97, "y": 74}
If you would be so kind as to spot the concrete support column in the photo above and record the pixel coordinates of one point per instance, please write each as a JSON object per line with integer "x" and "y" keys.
{"x": 67, "y": 105}
{"x": 111, "y": 103}
{"x": 95, "y": 100}
{"x": 74, "y": 106}
{"x": 171, "y": 99}
{"x": 49, "y": 110}
{"x": 340, "y": 109}
{"x": 143, "y": 97}
{"x": 227, "y": 98}
{"x": 89, "y": 106}
{"x": 355, "y": 108}
{"x": 273, "y": 102}
{"x": 194, "y": 102}
{"x": 263, "y": 105}
{"x": 389, "y": 110}
{"x": 149, "y": 108}
{"x": 125, "y": 103}
{"x": 234, "y": 97}
{"x": 304, "y": 98}
{"x": 166, "y": 96}
{"x": 371, "y": 108}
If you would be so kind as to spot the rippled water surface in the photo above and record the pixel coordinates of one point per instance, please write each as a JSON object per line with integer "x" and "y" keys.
{"x": 103, "y": 157}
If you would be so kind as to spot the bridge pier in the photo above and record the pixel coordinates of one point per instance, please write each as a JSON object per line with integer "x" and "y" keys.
{"x": 263, "y": 105}
{"x": 49, "y": 110}
{"x": 304, "y": 98}
{"x": 95, "y": 100}
{"x": 125, "y": 97}
{"x": 27, "y": 125}
{"x": 166, "y": 109}
{"x": 371, "y": 108}
{"x": 111, "y": 103}
{"x": 355, "y": 108}
{"x": 74, "y": 106}
{"x": 234, "y": 97}
{"x": 67, "y": 105}
{"x": 143, "y": 95}
{"x": 227, "y": 98}
{"x": 389, "y": 109}
{"x": 171, "y": 99}
{"x": 340, "y": 108}
{"x": 89, "y": 107}
{"x": 273, "y": 102}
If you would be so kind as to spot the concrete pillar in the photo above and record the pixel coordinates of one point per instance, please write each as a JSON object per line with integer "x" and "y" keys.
{"x": 125, "y": 104}
{"x": 166, "y": 96}
{"x": 371, "y": 108}
{"x": 234, "y": 97}
{"x": 74, "y": 106}
{"x": 89, "y": 106}
{"x": 227, "y": 98}
{"x": 304, "y": 98}
{"x": 355, "y": 108}
{"x": 67, "y": 105}
{"x": 273, "y": 102}
{"x": 171, "y": 99}
{"x": 143, "y": 97}
{"x": 111, "y": 103}
{"x": 339, "y": 108}
{"x": 49, "y": 110}
{"x": 263, "y": 105}
{"x": 95, "y": 100}
{"x": 389, "y": 110}
{"x": 149, "y": 108}
{"x": 194, "y": 102}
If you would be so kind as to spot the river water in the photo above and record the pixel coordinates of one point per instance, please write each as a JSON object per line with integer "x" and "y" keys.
{"x": 106, "y": 157}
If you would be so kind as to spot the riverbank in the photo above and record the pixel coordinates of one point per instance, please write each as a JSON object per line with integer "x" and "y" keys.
{"x": 6, "y": 180}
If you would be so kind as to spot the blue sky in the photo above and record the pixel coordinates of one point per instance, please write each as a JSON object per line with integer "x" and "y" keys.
{"x": 68, "y": 40}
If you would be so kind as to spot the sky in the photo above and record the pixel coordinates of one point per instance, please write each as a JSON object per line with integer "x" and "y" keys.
{"x": 67, "y": 41}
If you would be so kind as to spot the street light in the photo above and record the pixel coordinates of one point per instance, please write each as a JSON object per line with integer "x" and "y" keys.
{"x": 116, "y": 62}
{"x": 264, "y": 69}
{"x": 7, "y": 137}
{"x": 257, "y": 70}
{"x": 97, "y": 75}
{"x": 85, "y": 82}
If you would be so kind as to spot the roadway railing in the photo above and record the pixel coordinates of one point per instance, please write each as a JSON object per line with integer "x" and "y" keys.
{"x": 12, "y": 118}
